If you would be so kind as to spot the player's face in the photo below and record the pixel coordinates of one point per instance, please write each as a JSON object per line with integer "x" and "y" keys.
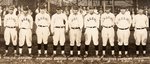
{"x": 25, "y": 12}
{"x": 10, "y": 11}
{"x": 123, "y": 11}
{"x": 91, "y": 11}
{"x": 107, "y": 10}
{"x": 75, "y": 11}
{"x": 140, "y": 11}
{"x": 42, "y": 11}
{"x": 58, "y": 11}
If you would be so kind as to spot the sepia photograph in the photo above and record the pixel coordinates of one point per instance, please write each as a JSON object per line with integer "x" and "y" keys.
{"x": 74, "y": 32}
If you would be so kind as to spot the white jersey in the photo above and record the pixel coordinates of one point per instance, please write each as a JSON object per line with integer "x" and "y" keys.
{"x": 107, "y": 19}
{"x": 91, "y": 20}
{"x": 42, "y": 19}
{"x": 123, "y": 21}
{"x": 25, "y": 21}
{"x": 10, "y": 20}
{"x": 75, "y": 20}
{"x": 140, "y": 21}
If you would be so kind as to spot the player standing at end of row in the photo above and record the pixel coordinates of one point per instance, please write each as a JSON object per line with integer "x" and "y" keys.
{"x": 140, "y": 23}
{"x": 123, "y": 22}
{"x": 75, "y": 22}
{"x": 59, "y": 26}
{"x": 108, "y": 22}
{"x": 91, "y": 24}
{"x": 42, "y": 22}
{"x": 10, "y": 33}
{"x": 25, "y": 33}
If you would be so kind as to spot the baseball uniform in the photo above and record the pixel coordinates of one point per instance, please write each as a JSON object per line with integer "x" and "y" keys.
{"x": 75, "y": 23}
{"x": 10, "y": 33}
{"x": 91, "y": 23}
{"x": 42, "y": 22}
{"x": 140, "y": 22}
{"x": 108, "y": 22}
{"x": 123, "y": 22}
{"x": 59, "y": 25}
{"x": 25, "y": 33}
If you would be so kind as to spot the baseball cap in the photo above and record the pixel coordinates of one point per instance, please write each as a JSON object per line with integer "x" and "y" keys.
{"x": 75, "y": 7}
{"x": 42, "y": 7}
{"x": 25, "y": 8}
{"x": 11, "y": 8}
{"x": 91, "y": 7}
{"x": 58, "y": 8}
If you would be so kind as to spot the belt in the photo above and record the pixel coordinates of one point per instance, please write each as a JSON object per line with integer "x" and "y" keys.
{"x": 10, "y": 27}
{"x": 60, "y": 27}
{"x": 123, "y": 28}
{"x": 42, "y": 26}
{"x": 75, "y": 27}
{"x": 140, "y": 28}
{"x": 91, "y": 27}
{"x": 24, "y": 28}
{"x": 107, "y": 26}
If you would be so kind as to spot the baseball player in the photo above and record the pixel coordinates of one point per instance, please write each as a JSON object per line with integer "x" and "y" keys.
{"x": 91, "y": 24}
{"x": 59, "y": 25}
{"x": 108, "y": 22}
{"x": 10, "y": 33}
{"x": 42, "y": 22}
{"x": 75, "y": 22}
{"x": 123, "y": 22}
{"x": 25, "y": 34}
{"x": 140, "y": 22}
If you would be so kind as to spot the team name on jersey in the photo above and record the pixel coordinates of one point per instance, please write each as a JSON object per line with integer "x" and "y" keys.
{"x": 107, "y": 17}
{"x": 74, "y": 19}
{"x": 10, "y": 18}
{"x": 91, "y": 18}
{"x": 25, "y": 19}
{"x": 122, "y": 18}
{"x": 42, "y": 18}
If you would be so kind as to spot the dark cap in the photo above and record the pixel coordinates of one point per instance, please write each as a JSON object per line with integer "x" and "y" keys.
{"x": 42, "y": 7}
{"x": 58, "y": 8}
{"x": 11, "y": 8}
{"x": 91, "y": 7}
{"x": 107, "y": 8}
{"x": 25, "y": 8}
{"x": 123, "y": 7}
{"x": 75, "y": 7}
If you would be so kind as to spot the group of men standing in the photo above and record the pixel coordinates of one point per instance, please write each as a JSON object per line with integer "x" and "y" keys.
{"x": 76, "y": 23}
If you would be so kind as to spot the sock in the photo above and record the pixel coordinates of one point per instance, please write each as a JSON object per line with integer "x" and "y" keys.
{"x": 20, "y": 49}
{"x": 45, "y": 46}
{"x": 86, "y": 47}
{"x": 6, "y": 47}
{"x": 96, "y": 47}
{"x": 144, "y": 49}
{"x": 62, "y": 48}
{"x": 113, "y": 50}
{"x": 29, "y": 48}
{"x": 120, "y": 48}
{"x": 104, "y": 48}
{"x": 78, "y": 48}
{"x": 126, "y": 47}
{"x": 39, "y": 46}
{"x": 54, "y": 47}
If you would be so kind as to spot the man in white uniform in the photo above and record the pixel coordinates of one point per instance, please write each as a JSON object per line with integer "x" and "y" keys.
{"x": 108, "y": 22}
{"x": 91, "y": 24}
{"x": 140, "y": 23}
{"x": 123, "y": 22}
{"x": 10, "y": 33}
{"x": 75, "y": 22}
{"x": 59, "y": 25}
{"x": 42, "y": 22}
{"x": 25, "y": 34}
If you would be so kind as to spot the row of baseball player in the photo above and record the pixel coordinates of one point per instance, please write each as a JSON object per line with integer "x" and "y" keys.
{"x": 59, "y": 25}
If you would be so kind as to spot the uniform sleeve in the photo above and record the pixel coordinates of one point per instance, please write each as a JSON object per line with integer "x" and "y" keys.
{"x": 49, "y": 20}
{"x": 52, "y": 24}
{"x": 0, "y": 21}
{"x": 69, "y": 21}
{"x": 134, "y": 21}
{"x": 36, "y": 20}
{"x": 66, "y": 20}
{"x": 4, "y": 21}
{"x": 85, "y": 21}
{"x": 130, "y": 20}
{"x": 81, "y": 21}
{"x": 113, "y": 17}
{"x": 17, "y": 22}
{"x": 102, "y": 19}
{"x": 97, "y": 20}
{"x": 147, "y": 21}
{"x": 117, "y": 19}
{"x": 31, "y": 22}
